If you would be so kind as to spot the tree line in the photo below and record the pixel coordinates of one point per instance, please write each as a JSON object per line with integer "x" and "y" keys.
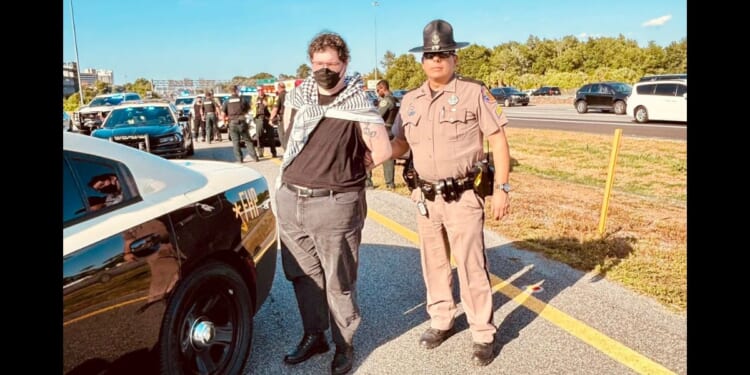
{"x": 567, "y": 63}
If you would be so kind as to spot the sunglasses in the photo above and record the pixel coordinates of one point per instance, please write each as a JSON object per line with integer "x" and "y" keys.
{"x": 442, "y": 55}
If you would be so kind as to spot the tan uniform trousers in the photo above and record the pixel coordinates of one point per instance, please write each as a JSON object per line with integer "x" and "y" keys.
{"x": 463, "y": 223}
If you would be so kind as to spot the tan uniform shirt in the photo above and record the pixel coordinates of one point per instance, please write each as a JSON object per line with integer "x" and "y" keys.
{"x": 446, "y": 132}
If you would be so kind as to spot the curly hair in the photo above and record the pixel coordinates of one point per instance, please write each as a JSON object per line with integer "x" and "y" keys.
{"x": 329, "y": 40}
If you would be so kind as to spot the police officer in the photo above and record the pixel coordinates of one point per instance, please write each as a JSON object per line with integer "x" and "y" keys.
{"x": 444, "y": 123}
{"x": 199, "y": 126}
{"x": 235, "y": 109}
{"x": 210, "y": 108}
{"x": 277, "y": 113}
{"x": 262, "y": 123}
{"x": 388, "y": 110}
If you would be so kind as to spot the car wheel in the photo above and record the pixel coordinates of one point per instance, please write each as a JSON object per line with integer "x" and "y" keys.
{"x": 508, "y": 103}
{"x": 524, "y": 104}
{"x": 620, "y": 107}
{"x": 641, "y": 115}
{"x": 191, "y": 149}
{"x": 208, "y": 324}
{"x": 582, "y": 107}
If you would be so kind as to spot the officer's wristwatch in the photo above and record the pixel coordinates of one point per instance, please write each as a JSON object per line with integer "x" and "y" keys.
{"x": 504, "y": 187}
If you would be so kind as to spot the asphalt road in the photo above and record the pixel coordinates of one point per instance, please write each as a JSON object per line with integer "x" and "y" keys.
{"x": 551, "y": 319}
{"x": 565, "y": 117}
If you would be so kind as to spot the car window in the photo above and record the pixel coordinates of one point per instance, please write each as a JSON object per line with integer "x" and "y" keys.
{"x": 646, "y": 89}
{"x": 179, "y": 101}
{"x": 132, "y": 97}
{"x": 73, "y": 206}
{"x": 665, "y": 89}
{"x": 107, "y": 100}
{"x": 681, "y": 90}
{"x": 139, "y": 116}
{"x": 93, "y": 185}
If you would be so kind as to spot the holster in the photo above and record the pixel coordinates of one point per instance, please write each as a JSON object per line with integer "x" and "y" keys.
{"x": 484, "y": 178}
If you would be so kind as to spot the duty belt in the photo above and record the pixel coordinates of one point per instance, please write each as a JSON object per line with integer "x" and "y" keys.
{"x": 309, "y": 192}
{"x": 449, "y": 188}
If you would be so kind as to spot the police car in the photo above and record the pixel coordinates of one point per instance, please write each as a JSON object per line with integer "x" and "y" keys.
{"x": 165, "y": 262}
{"x": 152, "y": 126}
{"x": 89, "y": 117}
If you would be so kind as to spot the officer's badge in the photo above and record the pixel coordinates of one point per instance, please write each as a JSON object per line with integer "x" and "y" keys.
{"x": 435, "y": 41}
{"x": 383, "y": 103}
{"x": 498, "y": 110}
{"x": 453, "y": 100}
{"x": 487, "y": 95}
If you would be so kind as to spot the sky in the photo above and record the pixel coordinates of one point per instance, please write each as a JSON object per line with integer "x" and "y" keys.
{"x": 221, "y": 39}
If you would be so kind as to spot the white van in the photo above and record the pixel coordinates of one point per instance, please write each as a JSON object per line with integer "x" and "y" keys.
{"x": 664, "y": 100}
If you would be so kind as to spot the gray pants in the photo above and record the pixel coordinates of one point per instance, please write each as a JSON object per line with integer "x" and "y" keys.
{"x": 321, "y": 256}
{"x": 212, "y": 127}
{"x": 238, "y": 131}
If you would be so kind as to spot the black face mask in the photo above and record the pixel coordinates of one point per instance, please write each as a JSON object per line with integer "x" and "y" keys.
{"x": 110, "y": 189}
{"x": 326, "y": 78}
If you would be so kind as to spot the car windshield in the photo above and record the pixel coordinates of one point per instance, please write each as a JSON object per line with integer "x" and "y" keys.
{"x": 622, "y": 87}
{"x": 107, "y": 100}
{"x": 512, "y": 90}
{"x": 181, "y": 101}
{"x": 139, "y": 116}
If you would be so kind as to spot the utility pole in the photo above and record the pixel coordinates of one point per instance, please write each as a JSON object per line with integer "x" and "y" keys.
{"x": 375, "y": 5}
{"x": 75, "y": 43}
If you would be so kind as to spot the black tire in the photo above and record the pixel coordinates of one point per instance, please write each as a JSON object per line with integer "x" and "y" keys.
{"x": 524, "y": 104}
{"x": 191, "y": 148}
{"x": 213, "y": 298}
{"x": 581, "y": 106}
{"x": 641, "y": 114}
{"x": 620, "y": 107}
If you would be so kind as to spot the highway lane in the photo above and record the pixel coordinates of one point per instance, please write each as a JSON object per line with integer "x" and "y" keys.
{"x": 552, "y": 319}
{"x": 565, "y": 117}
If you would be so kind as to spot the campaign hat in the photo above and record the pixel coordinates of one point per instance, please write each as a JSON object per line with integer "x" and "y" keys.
{"x": 438, "y": 37}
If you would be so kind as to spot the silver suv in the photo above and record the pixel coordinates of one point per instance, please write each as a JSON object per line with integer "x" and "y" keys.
{"x": 89, "y": 117}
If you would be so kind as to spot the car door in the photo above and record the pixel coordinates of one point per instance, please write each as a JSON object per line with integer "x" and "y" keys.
{"x": 111, "y": 285}
{"x": 668, "y": 106}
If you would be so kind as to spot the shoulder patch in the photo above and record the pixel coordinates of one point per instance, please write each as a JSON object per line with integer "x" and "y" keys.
{"x": 487, "y": 95}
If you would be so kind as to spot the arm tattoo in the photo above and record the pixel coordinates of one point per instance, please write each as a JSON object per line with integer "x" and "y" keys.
{"x": 366, "y": 131}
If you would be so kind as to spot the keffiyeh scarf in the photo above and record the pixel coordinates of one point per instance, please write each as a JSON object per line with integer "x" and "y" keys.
{"x": 351, "y": 104}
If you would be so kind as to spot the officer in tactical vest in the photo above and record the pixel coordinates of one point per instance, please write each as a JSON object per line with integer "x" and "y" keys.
{"x": 199, "y": 126}
{"x": 234, "y": 110}
{"x": 388, "y": 110}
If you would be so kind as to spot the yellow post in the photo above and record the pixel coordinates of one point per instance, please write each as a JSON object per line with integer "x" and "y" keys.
{"x": 610, "y": 180}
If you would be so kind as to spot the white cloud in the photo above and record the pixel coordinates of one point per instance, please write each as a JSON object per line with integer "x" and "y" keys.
{"x": 657, "y": 21}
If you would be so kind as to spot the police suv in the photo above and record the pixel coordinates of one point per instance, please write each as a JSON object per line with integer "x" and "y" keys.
{"x": 89, "y": 117}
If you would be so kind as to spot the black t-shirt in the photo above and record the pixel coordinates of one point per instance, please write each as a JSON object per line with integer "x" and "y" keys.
{"x": 333, "y": 157}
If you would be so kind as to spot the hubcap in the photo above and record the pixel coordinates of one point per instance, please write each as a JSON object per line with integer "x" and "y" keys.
{"x": 202, "y": 333}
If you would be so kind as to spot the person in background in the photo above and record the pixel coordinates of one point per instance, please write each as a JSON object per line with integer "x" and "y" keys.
{"x": 263, "y": 124}
{"x": 449, "y": 205}
{"x": 336, "y": 136}
{"x": 278, "y": 111}
{"x": 210, "y": 115}
{"x": 199, "y": 126}
{"x": 388, "y": 110}
{"x": 234, "y": 110}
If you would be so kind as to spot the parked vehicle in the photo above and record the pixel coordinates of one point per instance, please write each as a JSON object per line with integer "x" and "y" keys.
{"x": 90, "y": 117}
{"x": 184, "y": 104}
{"x": 165, "y": 263}
{"x": 604, "y": 96}
{"x": 149, "y": 126}
{"x": 510, "y": 96}
{"x": 664, "y": 100}
{"x": 546, "y": 90}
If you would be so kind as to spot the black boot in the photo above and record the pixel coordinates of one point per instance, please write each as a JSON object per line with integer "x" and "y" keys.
{"x": 311, "y": 344}
{"x": 342, "y": 360}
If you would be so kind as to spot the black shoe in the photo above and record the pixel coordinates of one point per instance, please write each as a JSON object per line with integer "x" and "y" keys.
{"x": 342, "y": 360}
{"x": 482, "y": 355}
{"x": 311, "y": 344}
{"x": 432, "y": 338}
